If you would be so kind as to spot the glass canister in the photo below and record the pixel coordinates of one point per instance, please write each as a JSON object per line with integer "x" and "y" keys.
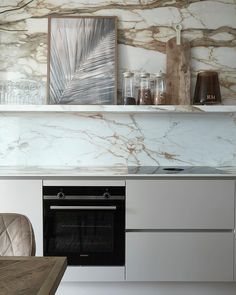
{"x": 144, "y": 92}
{"x": 160, "y": 96}
{"x": 128, "y": 88}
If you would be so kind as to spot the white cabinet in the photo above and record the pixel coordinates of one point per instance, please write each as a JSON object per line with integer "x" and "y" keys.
{"x": 180, "y": 230}
{"x": 25, "y": 197}
{"x": 179, "y": 256}
{"x": 180, "y": 204}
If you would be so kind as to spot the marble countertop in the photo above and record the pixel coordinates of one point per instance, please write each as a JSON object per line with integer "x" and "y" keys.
{"x": 115, "y": 171}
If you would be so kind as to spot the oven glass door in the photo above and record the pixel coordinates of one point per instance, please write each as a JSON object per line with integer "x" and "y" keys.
{"x": 89, "y": 233}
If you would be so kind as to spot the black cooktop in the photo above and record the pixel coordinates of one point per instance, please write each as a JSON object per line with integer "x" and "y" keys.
{"x": 174, "y": 170}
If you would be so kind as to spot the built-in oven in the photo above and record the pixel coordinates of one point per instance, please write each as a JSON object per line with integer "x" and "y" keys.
{"x": 85, "y": 222}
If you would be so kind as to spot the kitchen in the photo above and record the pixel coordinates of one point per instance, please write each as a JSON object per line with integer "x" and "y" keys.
{"x": 40, "y": 142}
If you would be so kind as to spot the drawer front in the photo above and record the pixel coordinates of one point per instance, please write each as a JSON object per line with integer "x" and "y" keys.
{"x": 179, "y": 256}
{"x": 180, "y": 204}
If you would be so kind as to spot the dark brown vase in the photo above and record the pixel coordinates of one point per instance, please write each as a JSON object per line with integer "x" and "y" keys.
{"x": 207, "y": 90}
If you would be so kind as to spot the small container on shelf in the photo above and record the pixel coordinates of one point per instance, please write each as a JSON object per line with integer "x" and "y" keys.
{"x": 128, "y": 88}
{"x": 207, "y": 90}
{"x": 144, "y": 91}
{"x": 160, "y": 97}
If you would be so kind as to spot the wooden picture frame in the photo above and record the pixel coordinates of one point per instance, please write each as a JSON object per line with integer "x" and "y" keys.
{"x": 82, "y": 60}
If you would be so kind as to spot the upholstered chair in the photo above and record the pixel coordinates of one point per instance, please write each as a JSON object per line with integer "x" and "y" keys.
{"x": 16, "y": 235}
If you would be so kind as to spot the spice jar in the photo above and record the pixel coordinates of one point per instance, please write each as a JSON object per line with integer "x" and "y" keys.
{"x": 128, "y": 88}
{"x": 144, "y": 92}
{"x": 160, "y": 96}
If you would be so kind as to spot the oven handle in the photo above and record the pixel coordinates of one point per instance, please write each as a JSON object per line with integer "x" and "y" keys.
{"x": 83, "y": 207}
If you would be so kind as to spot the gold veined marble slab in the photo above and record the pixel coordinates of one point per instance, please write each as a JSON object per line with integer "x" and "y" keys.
{"x": 144, "y": 27}
{"x": 70, "y": 172}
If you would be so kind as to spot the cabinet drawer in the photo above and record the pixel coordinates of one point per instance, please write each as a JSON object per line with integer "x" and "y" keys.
{"x": 180, "y": 204}
{"x": 179, "y": 256}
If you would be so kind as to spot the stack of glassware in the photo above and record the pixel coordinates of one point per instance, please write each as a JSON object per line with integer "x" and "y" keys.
{"x": 22, "y": 92}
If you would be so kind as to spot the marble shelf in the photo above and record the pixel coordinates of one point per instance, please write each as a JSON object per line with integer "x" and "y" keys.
{"x": 110, "y": 171}
{"x": 119, "y": 108}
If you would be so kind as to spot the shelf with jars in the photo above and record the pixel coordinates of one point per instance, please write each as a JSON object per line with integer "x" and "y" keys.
{"x": 142, "y": 93}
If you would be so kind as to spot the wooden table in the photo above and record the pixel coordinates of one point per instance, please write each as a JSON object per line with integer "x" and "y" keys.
{"x": 31, "y": 275}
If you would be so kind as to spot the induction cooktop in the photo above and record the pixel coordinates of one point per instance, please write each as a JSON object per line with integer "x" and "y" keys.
{"x": 174, "y": 170}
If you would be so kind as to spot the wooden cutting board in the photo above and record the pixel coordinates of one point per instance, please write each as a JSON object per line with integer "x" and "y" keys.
{"x": 178, "y": 71}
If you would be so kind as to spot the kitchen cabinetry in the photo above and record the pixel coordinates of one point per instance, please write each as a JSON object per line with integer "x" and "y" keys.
{"x": 180, "y": 204}
{"x": 179, "y": 256}
{"x": 24, "y": 196}
{"x": 176, "y": 229}
{"x": 179, "y": 230}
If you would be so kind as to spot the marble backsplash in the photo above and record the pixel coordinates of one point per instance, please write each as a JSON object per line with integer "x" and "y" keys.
{"x": 144, "y": 26}
{"x": 105, "y": 139}
{"x": 82, "y": 139}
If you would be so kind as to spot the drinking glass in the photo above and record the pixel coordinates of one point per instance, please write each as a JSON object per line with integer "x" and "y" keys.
{"x": 22, "y": 92}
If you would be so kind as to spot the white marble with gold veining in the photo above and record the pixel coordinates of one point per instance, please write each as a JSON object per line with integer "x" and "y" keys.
{"x": 106, "y": 171}
{"x": 143, "y": 29}
{"x": 100, "y": 135}
{"x": 117, "y": 139}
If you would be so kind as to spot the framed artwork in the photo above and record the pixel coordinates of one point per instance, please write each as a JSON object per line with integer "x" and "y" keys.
{"x": 82, "y": 60}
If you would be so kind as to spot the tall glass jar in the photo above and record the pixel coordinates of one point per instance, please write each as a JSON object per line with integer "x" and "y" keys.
{"x": 144, "y": 92}
{"x": 128, "y": 88}
{"x": 160, "y": 96}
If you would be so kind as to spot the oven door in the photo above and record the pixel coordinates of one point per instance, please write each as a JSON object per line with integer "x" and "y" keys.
{"x": 88, "y": 232}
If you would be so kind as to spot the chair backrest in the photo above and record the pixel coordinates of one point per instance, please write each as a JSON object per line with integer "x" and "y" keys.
{"x": 16, "y": 235}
